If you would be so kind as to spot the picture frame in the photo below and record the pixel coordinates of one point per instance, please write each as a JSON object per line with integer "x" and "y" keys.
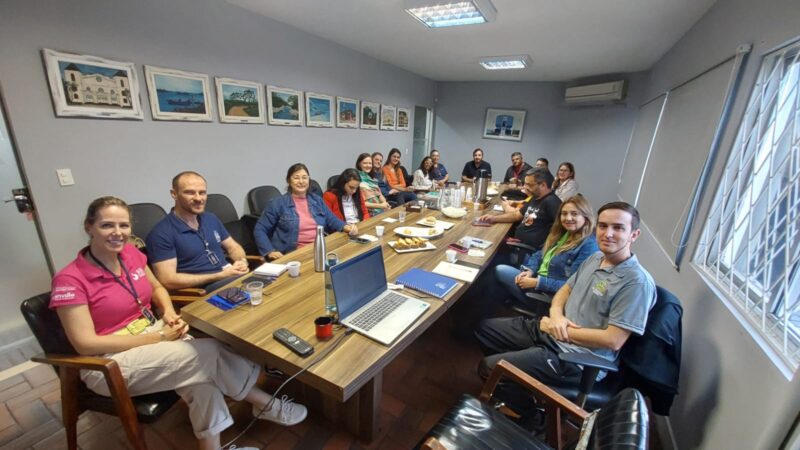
{"x": 178, "y": 95}
{"x": 403, "y": 119}
{"x": 388, "y": 117}
{"x": 239, "y": 101}
{"x": 91, "y": 86}
{"x": 370, "y": 112}
{"x": 504, "y": 124}
{"x": 284, "y": 106}
{"x": 319, "y": 110}
{"x": 347, "y": 112}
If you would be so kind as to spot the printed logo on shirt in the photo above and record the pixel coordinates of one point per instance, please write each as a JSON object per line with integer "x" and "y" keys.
{"x": 138, "y": 273}
{"x": 64, "y": 293}
{"x": 600, "y": 288}
{"x": 216, "y": 236}
{"x": 530, "y": 215}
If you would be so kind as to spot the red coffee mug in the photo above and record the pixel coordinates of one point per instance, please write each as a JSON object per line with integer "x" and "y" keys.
{"x": 324, "y": 327}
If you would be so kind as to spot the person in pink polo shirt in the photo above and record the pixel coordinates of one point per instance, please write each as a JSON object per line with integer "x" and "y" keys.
{"x": 105, "y": 299}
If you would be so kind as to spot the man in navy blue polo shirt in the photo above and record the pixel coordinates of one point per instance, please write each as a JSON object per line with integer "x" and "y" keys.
{"x": 188, "y": 247}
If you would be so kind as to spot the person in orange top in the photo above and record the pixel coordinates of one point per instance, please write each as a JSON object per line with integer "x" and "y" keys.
{"x": 344, "y": 199}
{"x": 395, "y": 180}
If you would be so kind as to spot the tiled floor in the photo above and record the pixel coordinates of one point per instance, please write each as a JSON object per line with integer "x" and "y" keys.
{"x": 419, "y": 386}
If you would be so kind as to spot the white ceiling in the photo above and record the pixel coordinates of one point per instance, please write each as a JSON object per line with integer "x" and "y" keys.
{"x": 567, "y": 39}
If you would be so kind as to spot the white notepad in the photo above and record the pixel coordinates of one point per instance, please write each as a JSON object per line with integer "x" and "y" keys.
{"x": 456, "y": 271}
{"x": 270, "y": 269}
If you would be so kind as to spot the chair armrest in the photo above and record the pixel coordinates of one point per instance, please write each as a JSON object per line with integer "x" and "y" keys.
{"x": 185, "y": 296}
{"x": 521, "y": 246}
{"x": 432, "y": 444}
{"x": 588, "y": 360}
{"x": 77, "y": 361}
{"x": 540, "y": 296}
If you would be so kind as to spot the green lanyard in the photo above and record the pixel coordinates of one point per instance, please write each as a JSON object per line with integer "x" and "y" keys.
{"x": 544, "y": 267}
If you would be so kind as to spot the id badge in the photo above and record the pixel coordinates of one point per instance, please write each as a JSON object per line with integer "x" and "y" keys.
{"x": 149, "y": 316}
{"x": 137, "y": 326}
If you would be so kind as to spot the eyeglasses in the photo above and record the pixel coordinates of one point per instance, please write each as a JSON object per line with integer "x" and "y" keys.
{"x": 300, "y": 178}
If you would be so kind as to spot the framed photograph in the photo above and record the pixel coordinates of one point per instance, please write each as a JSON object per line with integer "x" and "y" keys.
{"x": 369, "y": 115}
{"x": 178, "y": 95}
{"x": 240, "y": 101}
{"x": 403, "y": 119}
{"x": 319, "y": 110}
{"x": 346, "y": 112}
{"x": 285, "y": 106}
{"x": 504, "y": 124}
{"x": 90, "y": 86}
{"x": 388, "y": 117}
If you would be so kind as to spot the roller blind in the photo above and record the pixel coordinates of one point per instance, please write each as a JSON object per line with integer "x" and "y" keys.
{"x": 634, "y": 168}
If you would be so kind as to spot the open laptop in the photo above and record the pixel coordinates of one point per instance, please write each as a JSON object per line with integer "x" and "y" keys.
{"x": 364, "y": 302}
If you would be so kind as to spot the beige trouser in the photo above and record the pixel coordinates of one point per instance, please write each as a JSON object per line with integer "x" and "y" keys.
{"x": 201, "y": 371}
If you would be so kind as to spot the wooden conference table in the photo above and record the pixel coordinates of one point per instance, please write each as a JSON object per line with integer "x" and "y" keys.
{"x": 350, "y": 377}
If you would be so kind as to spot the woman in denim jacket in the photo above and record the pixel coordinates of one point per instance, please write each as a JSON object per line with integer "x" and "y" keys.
{"x": 570, "y": 242}
{"x": 290, "y": 221}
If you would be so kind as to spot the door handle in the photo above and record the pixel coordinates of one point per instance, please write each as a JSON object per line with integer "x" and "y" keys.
{"x": 22, "y": 199}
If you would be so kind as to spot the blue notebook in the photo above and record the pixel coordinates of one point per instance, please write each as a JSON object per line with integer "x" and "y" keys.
{"x": 427, "y": 282}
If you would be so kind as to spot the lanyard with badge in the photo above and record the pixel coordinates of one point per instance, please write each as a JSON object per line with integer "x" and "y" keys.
{"x": 130, "y": 288}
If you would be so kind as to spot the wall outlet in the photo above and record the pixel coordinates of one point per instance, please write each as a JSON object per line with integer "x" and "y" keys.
{"x": 65, "y": 177}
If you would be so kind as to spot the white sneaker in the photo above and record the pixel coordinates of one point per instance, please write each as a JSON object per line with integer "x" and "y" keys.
{"x": 283, "y": 411}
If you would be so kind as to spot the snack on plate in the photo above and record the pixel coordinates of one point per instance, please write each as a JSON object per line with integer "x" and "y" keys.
{"x": 430, "y": 220}
{"x": 432, "y": 231}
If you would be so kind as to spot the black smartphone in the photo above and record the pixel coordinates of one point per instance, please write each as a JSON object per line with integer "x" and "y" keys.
{"x": 262, "y": 278}
{"x": 458, "y": 247}
{"x": 360, "y": 240}
{"x": 480, "y": 223}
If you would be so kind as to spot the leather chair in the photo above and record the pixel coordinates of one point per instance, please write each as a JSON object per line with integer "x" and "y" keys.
{"x": 240, "y": 229}
{"x": 332, "y": 181}
{"x": 144, "y": 216}
{"x": 478, "y": 424}
{"x": 259, "y": 197}
{"x": 314, "y": 188}
{"x": 649, "y": 363}
{"x": 75, "y": 396}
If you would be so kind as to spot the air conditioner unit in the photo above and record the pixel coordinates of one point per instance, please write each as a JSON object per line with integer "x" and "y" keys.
{"x": 594, "y": 94}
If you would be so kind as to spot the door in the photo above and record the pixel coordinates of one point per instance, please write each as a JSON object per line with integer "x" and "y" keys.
{"x": 24, "y": 270}
{"x": 423, "y": 130}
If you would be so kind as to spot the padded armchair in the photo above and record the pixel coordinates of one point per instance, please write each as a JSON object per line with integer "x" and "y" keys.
{"x": 314, "y": 187}
{"x": 259, "y": 197}
{"x": 332, "y": 181}
{"x": 240, "y": 229}
{"x": 75, "y": 396}
{"x": 649, "y": 363}
{"x": 144, "y": 216}
{"x": 476, "y": 424}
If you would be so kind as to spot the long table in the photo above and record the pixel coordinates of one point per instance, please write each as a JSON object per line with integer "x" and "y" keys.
{"x": 349, "y": 379}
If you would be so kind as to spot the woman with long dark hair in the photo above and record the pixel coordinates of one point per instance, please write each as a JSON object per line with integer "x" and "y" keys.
{"x": 422, "y": 176}
{"x": 565, "y": 185}
{"x": 344, "y": 199}
{"x": 370, "y": 188}
{"x": 396, "y": 179}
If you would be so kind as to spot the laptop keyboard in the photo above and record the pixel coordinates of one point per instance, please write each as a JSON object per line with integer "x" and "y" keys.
{"x": 378, "y": 311}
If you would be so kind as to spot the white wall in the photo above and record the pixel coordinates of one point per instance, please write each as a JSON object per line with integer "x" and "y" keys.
{"x": 137, "y": 159}
{"x": 732, "y": 396}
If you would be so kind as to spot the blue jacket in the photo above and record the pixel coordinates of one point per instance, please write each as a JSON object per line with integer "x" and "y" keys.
{"x": 279, "y": 225}
{"x": 562, "y": 266}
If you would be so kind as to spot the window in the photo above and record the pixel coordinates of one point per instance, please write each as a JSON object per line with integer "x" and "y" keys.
{"x": 750, "y": 246}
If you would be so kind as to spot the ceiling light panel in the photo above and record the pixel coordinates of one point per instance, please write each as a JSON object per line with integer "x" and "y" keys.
{"x": 450, "y": 14}
{"x": 505, "y": 62}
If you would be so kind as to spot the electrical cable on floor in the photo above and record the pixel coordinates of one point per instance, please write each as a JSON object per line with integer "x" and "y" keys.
{"x": 269, "y": 404}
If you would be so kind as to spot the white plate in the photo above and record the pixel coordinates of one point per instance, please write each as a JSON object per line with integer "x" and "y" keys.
{"x": 419, "y": 232}
{"x": 428, "y": 246}
{"x": 439, "y": 224}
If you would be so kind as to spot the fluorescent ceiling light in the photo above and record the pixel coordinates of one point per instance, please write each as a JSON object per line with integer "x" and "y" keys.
{"x": 444, "y": 13}
{"x": 505, "y": 62}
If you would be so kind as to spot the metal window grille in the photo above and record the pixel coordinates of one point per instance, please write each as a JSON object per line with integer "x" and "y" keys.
{"x": 750, "y": 246}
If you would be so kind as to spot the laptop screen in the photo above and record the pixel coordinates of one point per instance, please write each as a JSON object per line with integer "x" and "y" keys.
{"x": 358, "y": 280}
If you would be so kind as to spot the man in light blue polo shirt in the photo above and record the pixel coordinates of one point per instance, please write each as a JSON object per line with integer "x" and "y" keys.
{"x": 188, "y": 247}
{"x": 606, "y": 300}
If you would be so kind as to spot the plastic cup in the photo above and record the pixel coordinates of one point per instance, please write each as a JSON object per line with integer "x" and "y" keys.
{"x": 451, "y": 255}
{"x": 294, "y": 268}
{"x": 402, "y": 215}
{"x": 324, "y": 327}
{"x": 379, "y": 230}
{"x": 256, "y": 291}
{"x": 466, "y": 241}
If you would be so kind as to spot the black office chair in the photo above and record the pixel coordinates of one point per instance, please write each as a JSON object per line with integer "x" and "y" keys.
{"x": 314, "y": 188}
{"x": 239, "y": 228}
{"x": 622, "y": 424}
{"x": 144, "y": 216}
{"x": 75, "y": 396}
{"x": 332, "y": 181}
{"x": 259, "y": 197}
{"x": 650, "y": 363}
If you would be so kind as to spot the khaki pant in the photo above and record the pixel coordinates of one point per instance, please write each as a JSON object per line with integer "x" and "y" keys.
{"x": 201, "y": 371}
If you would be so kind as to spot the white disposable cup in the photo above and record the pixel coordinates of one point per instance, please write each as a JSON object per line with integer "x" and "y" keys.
{"x": 379, "y": 230}
{"x": 294, "y": 268}
{"x": 451, "y": 255}
{"x": 476, "y": 206}
{"x": 402, "y": 215}
{"x": 466, "y": 242}
{"x": 256, "y": 291}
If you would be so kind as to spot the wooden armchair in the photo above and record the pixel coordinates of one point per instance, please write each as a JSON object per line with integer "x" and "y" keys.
{"x": 75, "y": 396}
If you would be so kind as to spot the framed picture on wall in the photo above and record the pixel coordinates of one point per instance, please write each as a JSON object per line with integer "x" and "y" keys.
{"x": 388, "y": 117}
{"x": 403, "y": 119}
{"x": 319, "y": 110}
{"x": 369, "y": 115}
{"x": 346, "y": 112}
{"x": 284, "y": 106}
{"x": 504, "y": 124}
{"x": 90, "y": 86}
{"x": 240, "y": 101}
{"x": 178, "y": 95}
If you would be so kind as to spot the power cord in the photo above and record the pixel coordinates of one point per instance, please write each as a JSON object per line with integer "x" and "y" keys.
{"x": 269, "y": 404}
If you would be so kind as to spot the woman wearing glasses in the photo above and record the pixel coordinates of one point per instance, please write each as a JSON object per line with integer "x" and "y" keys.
{"x": 290, "y": 221}
{"x": 105, "y": 300}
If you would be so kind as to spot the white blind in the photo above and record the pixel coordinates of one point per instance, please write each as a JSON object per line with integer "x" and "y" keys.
{"x": 635, "y": 166}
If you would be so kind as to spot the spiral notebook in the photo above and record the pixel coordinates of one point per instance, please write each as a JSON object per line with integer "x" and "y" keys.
{"x": 427, "y": 282}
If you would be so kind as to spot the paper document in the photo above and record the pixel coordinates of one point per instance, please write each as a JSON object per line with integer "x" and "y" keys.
{"x": 456, "y": 271}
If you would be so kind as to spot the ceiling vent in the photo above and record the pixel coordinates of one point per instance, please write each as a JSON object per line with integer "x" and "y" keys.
{"x": 596, "y": 94}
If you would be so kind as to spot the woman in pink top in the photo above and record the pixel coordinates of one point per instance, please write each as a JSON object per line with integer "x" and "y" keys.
{"x": 105, "y": 300}
{"x": 396, "y": 180}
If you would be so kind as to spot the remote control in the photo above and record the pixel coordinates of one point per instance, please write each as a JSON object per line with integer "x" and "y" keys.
{"x": 294, "y": 343}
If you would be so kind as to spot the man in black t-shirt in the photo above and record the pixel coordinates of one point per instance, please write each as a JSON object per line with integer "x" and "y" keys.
{"x": 473, "y": 169}
{"x": 535, "y": 216}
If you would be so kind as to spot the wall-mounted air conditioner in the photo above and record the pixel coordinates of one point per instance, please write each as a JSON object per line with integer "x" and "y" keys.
{"x": 594, "y": 94}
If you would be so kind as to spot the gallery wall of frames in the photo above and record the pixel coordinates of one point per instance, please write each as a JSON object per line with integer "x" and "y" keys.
{"x": 91, "y": 86}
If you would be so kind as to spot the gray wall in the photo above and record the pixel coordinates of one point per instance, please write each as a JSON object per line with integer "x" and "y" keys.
{"x": 732, "y": 395}
{"x": 136, "y": 159}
